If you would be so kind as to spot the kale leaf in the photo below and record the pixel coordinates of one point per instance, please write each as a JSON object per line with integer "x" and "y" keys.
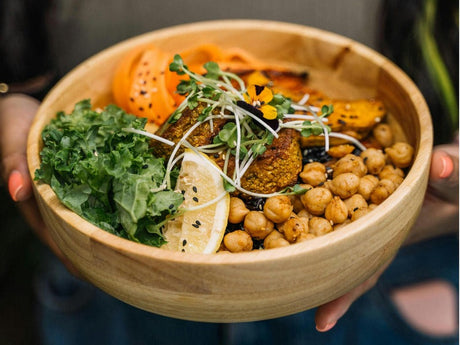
{"x": 105, "y": 174}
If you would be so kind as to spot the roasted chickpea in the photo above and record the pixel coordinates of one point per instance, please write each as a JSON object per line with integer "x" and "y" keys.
{"x": 367, "y": 185}
{"x": 238, "y": 210}
{"x": 374, "y": 160}
{"x": 396, "y": 175}
{"x": 319, "y": 226}
{"x": 359, "y": 213}
{"x": 305, "y": 237}
{"x": 313, "y": 173}
{"x": 316, "y": 200}
{"x": 278, "y": 208}
{"x": 297, "y": 205}
{"x": 383, "y": 134}
{"x": 293, "y": 227}
{"x": 372, "y": 207}
{"x": 336, "y": 211}
{"x": 390, "y": 170}
{"x": 275, "y": 240}
{"x": 345, "y": 185}
{"x": 354, "y": 203}
{"x": 350, "y": 164}
{"x": 340, "y": 151}
{"x": 341, "y": 225}
{"x": 382, "y": 191}
{"x": 238, "y": 241}
{"x": 400, "y": 154}
{"x": 257, "y": 225}
{"x": 304, "y": 214}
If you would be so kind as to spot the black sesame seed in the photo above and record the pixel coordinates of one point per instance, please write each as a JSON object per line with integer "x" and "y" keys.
{"x": 150, "y": 105}
{"x": 182, "y": 191}
{"x": 131, "y": 99}
{"x": 145, "y": 166}
{"x": 184, "y": 242}
{"x": 195, "y": 199}
{"x": 141, "y": 108}
{"x": 143, "y": 92}
{"x": 195, "y": 225}
{"x": 216, "y": 155}
{"x": 355, "y": 209}
{"x": 198, "y": 222}
{"x": 195, "y": 189}
{"x": 171, "y": 206}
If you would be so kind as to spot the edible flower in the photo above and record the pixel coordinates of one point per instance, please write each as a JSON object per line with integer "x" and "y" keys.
{"x": 259, "y": 97}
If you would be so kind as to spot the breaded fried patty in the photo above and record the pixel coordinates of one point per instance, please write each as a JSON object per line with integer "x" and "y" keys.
{"x": 202, "y": 135}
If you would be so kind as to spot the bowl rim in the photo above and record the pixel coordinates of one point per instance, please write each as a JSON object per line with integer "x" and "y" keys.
{"x": 421, "y": 160}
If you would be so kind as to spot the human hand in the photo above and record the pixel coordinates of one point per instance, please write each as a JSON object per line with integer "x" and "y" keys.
{"x": 16, "y": 114}
{"x": 439, "y": 216}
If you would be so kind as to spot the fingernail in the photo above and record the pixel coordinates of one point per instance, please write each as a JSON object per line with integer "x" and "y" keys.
{"x": 15, "y": 185}
{"x": 327, "y": 327}
{"x": 447, "y": 166}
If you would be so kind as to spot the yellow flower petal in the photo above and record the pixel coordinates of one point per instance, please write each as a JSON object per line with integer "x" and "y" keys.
{"x": 265, "y": 96}
{"x": 257, "y": 78}
{"x": 269, "y": 111}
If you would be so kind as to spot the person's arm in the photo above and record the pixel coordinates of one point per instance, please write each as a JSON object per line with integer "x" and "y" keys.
{"x": 16, "y": 115}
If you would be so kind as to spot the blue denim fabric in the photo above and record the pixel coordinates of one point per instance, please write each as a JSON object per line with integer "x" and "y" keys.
{"x": 73, "y": 312}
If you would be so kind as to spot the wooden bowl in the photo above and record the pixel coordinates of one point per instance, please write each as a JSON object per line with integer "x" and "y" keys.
{"x": 259, "y": 284}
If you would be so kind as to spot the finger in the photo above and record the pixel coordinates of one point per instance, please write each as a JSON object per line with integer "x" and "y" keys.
{"x": 328, "y": 314}
{"x": 444, "y": 172}
{"x": 16, "y": 115}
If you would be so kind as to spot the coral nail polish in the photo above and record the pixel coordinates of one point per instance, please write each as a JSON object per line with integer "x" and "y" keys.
{"x": 327, "y": 327}
{"x": 447, "y": 166}
{"x": 15, "y": 184}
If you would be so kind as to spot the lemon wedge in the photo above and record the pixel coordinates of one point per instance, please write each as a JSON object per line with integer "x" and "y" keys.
{"x": 201, "y": 228}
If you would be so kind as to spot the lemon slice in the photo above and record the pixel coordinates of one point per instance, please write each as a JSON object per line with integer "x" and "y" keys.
{"x": 201, "y": 228}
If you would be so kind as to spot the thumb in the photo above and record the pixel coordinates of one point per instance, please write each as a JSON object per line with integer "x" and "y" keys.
{"x": 16, "y": 115}
{"x": 444, "y": 172}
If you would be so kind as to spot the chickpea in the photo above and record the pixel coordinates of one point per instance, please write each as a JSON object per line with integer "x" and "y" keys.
{"x": 391, "y": 173}
{"x": 367, "y": 185}
{"x": 275, "y": 240}
{"x": 278, "y": 208}
{"x": 304, "y": 214}
{"x": 319, "y": 226}
{"x": 313, "y": 173}
{"x": 350, "y": 164}
{"x": 354, "y": 203}
{"x": 382, "y": 191}
{"x": 359, "y": 213}
{"x": 238, "y": 210}
{"x": 383, "y": 134}
{"x": 316, "y": 200}
{"x": 345, "y": 185}
{"x": 336, "y": 211}
{"x": 390, "y": 170}
{"x": 257, "y": 225}
{"x": 238, "y": 241}
{"x": 341, "y": 225}
{"x": 400, "y": 154}
{"x": 293, "y": 228}
{"x": 374, "y": 160}
{"x": 340, "y": 151}
{"x": 297, "y": 205}
{"x": 372, "y": 207}
{"x": 305, "y": 237}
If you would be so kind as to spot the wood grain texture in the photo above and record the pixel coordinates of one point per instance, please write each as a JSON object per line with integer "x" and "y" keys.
{"x": 260, "y": 284}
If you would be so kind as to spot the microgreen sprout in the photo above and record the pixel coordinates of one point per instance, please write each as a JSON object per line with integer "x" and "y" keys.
{"x": 254, "y": 117}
